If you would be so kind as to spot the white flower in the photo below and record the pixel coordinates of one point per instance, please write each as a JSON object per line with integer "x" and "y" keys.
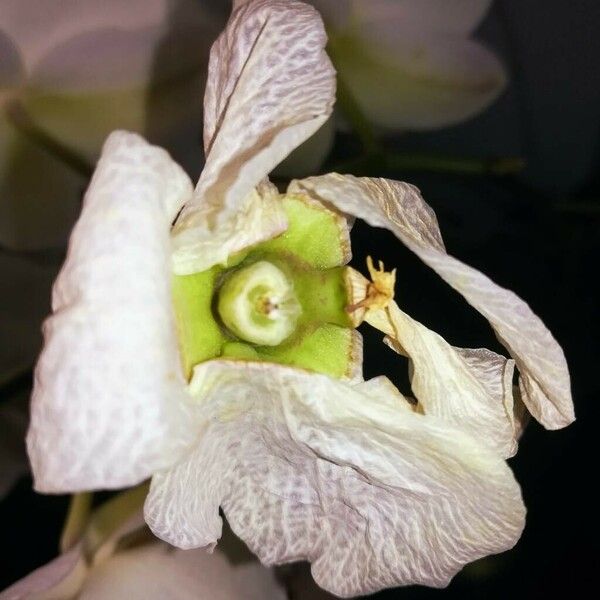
{"x": 77, "y": 70}
{"x": 343, "y": 473}
{"x": 412, "y": 64}
{"x": 124, "y": 562}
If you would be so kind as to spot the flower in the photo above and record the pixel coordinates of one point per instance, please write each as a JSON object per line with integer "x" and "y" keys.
{"x": 126, "y": 563}
{"x": 411, "y": 64}
{"x": 74, "y": 73}
{"x": 372, "y": 489}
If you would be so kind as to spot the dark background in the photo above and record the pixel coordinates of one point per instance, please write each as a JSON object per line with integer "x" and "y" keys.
{"x": 535, "y": 232}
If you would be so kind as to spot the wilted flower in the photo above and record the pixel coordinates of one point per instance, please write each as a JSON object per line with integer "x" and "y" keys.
{"x": 275, "y": 425}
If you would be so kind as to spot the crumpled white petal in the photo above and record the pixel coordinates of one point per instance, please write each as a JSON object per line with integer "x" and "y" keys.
{"x": 399, "y": 207}
{"x": 307, "y": 467}
{"x": 270, "y": 87}
{"x": 259, "y": 217}
{"x": 108, "y": 399}
{"x": 469, "y": 388}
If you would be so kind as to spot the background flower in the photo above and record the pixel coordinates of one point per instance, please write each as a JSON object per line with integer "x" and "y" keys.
{"x": 412, "y": 64}
{"x": 76, "y": 71}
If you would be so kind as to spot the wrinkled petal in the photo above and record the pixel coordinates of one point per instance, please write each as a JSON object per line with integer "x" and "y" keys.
{"x": 24, "y": 302}
{"x": 439, "y": 16}
{"x": 107, "y": 405}
{"x": 307, "y": 467}
{"x": 545, "y": 381}
{"x": 270, "y": 87}
{"x": 470, "y": 388}
{"x": 259, "y": 217}
{"x": 156, "y": 571}
{"x": 405, "y": 79}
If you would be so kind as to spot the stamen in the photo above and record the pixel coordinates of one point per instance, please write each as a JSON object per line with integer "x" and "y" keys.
{"x": 380, "y": 291}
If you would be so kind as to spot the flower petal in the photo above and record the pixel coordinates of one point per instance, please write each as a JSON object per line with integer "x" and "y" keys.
{"x": 64, "y": 576}
{"x": 469, "y": 388}
{"x": 270, "y": 87}
{"x": 439, "y": 16}
{"x": 156, "y": 571}
{"x": 404, "y": 79}
{"x": 307, "y": 467}
{"x": 545, "y": 382}
{"x": 107, "y": 406}
{"x": 260, "y": 217}
{"x": 37, "y": 31}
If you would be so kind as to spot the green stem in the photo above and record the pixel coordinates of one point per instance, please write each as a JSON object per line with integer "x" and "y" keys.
{"x": 18, "y": 117}
{"x": 77, "y": 518}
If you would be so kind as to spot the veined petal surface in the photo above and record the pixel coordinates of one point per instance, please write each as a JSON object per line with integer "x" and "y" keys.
{"x": 399, "y": 207}
{"x": 270, "y": 87}
{"x": 470, "y": 388}
{"x": 308, "y": 467}
{"x": 108, "y": 398}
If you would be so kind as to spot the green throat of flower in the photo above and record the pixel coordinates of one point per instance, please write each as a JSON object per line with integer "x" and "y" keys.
{"x": 283, "y": 301}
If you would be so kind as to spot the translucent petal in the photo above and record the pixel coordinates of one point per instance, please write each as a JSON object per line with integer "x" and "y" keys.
{"x": 270, "y": 87}
{"x": 156, "y": 571}
{"x": 443, "y": 16}
{"x": 414, "y": 80}
{"x": 307, "y": 467}
{"x": 399, "y": 207}
{"x": 64, "y": 576}
{"x": 107, "y": 405}
{"x": 37, "y": 31}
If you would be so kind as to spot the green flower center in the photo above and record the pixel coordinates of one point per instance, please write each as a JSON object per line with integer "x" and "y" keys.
{"x": 283, "y": 301}
{"x": 258, "y": 304}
